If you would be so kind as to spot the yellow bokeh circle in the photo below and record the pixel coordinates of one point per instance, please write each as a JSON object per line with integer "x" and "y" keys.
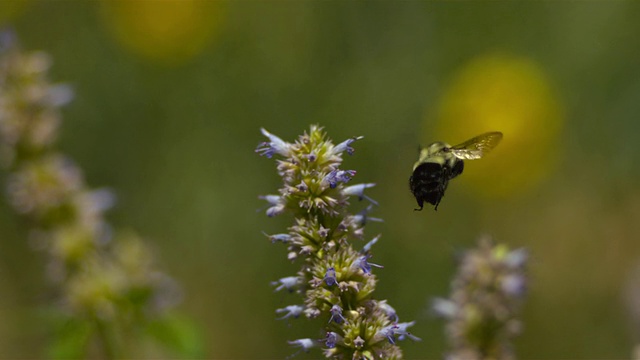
{"x": 511, "y": 94}
{"x": 166, "y": 31}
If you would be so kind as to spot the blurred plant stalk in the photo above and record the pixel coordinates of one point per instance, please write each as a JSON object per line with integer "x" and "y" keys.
{"x": 483, "y": 307}
{"x": 108, "y": 287}
{"x": 335, "y": 281}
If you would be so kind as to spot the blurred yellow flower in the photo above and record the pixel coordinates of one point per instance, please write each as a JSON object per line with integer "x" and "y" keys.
{"x": 168, "y": 31}
{"x": 502, "y": 92}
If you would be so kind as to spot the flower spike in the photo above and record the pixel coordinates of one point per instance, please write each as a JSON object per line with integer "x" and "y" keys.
{"x": 335, "y": 279}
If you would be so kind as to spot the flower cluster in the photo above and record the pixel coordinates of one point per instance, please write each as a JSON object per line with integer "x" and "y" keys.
{"x": 485, "y": 299}
{"x": 336, "y": 280}
{"x": 109, "y": 281}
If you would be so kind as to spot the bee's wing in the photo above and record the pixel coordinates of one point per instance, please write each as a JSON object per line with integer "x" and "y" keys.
{"x": 477, "y": 147}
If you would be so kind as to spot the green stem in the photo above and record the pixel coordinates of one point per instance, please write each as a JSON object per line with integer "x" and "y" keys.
{"x": 106, "y": 341}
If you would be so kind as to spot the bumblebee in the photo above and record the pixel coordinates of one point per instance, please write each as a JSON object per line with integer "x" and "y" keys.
{"x": 440, "y": 162}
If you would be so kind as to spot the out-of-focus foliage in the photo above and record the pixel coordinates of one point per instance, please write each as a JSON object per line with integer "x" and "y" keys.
{"x": 107, "y": 286}
{"x": 176, "y": 144}
{"x": 482, "y": 311}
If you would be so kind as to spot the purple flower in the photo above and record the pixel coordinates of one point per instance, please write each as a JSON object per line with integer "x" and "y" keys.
{"x": 400, "y": 329}
{"x": 358, "y": 190}
{"x": 311, "y": 157}
{"x": 290, "y": 311}
{"x": 330, "y": 276}
{"x": 332, "y": 339}
{"x": 277, "y": 203}
{"x": 389, "y": 310}
{"x": 284, "y": 238}
{"x": 367, "y": 247}
{"x": 363, "y": 263}
{"x": 323, "y": 232}
{"x": 346, "y": 146}
{"x": 289, "y": 283}
{"x": 362, "y": 217}
{"x": 336, "y": 314}
{"x": 302, "y": 186}
{"x": 388, "y": 332}
{"x": 358, "y": 342}
{"x": 303, "y": 344}
{"x": 338, "y": 176}
{"x": 275, "y": 145}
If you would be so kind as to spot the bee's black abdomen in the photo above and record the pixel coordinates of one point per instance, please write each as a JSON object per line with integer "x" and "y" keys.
{"x": 428, "y": 183}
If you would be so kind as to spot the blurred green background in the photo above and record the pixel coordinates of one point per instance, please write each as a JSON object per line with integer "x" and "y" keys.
{"x": 171, "y": 96}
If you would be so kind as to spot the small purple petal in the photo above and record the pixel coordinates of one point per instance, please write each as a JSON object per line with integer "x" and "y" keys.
{"x": 389, "y": 310}
{"x": 400, "y": 329}
{"x": 363, "y": 263}
{"x": 290, "y": 311}
{"x": 346, "y": 146}
{"x": 332, "y": 339}
{"x": 336, "y": 314}
{"x": 304, "y": 344}
{"x": 358, "y": 190}
{"x": 289, "y": 283}
{"x": 311, "y": 157}
{"x": 330, "y": 277}
{"x": 362, "y": 217}
{"x": 367, "y": 247}
{"x": 277, "y": 202}
{"x": 275, "y": 210}
{"x": 274, "y": 146}
{"x": 285, "y": 238}
{"x": 271, "y": 199}
{"x": 338, "y": 176}
{"x": 358, "y": 342}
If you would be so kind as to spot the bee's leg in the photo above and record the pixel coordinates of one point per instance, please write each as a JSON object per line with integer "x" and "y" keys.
{"x": 420, "y": 203}
{"x": 457, "y": 169}
{"x": 441, "y": 190}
